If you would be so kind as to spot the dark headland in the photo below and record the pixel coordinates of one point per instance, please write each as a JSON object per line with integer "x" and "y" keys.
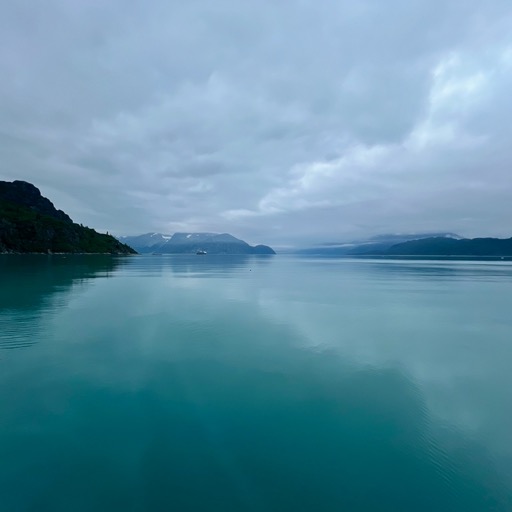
{"x": 30, "y": 223}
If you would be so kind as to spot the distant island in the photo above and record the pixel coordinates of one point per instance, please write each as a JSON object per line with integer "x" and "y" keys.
{"x": 193, "y": 243}
{"x": 30, "y": 223}
{"x": 434, "y": 244}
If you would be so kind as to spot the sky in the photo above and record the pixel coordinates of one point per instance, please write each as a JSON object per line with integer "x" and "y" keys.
{"x": 286, "y": 122}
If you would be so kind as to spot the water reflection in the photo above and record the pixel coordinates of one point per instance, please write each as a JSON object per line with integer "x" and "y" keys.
{"x": 450, "y": 328}
{"x": 206, "y": 266}
{"x": 442, "y": 270}
{"x": 233, "y": 421}
{"x": 30, "y": 285}
{"x": 415, "y": 268}
{"x": 321, "y": 387}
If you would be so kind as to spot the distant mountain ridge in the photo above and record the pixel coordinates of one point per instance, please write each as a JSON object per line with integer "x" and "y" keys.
{"x": 437, "y": 246}
{"x": 373, "y": 245}
{"x": 190, "y": 243}
{"x": 427, "y": 244}
{"x": 30, "y": 222}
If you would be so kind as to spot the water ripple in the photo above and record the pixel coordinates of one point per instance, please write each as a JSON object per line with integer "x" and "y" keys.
{"x": 16, "y": 331}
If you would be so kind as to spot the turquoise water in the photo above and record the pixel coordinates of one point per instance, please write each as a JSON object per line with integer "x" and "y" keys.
{"x": 209, "y": 383}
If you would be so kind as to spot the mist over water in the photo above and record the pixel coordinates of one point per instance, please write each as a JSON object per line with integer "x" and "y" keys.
{"x": 254, "y": 383}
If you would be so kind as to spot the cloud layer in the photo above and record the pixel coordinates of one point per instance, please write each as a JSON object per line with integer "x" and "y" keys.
{"x": 281, "y": 122}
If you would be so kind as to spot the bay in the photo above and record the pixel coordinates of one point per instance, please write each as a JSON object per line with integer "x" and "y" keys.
{"x": 205, "y": 383}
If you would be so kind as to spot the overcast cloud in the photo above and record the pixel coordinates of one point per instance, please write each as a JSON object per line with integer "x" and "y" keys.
{"x": 280, "y": 122}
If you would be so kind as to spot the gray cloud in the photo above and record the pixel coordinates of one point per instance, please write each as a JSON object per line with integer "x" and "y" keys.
{"x": 280, "y": 122}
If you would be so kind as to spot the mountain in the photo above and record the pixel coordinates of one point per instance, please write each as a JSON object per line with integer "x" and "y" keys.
{"x": 149, "y": 242}
{"x": 437, "y": 246}
{"x": 190, "y": 243}
{"x": 373, "y": 245}
{"x": 30, "y": 222}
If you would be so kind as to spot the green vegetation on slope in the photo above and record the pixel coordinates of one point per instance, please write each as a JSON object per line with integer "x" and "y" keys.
{"x": 24, "y": 228}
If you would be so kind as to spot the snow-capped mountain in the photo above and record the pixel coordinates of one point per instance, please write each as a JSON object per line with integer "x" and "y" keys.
{"x": 190, "y": 243}
{"x": 146, "y": 241}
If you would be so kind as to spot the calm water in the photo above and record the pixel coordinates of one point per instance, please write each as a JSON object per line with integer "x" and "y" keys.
{"x": 254, "y": 384}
